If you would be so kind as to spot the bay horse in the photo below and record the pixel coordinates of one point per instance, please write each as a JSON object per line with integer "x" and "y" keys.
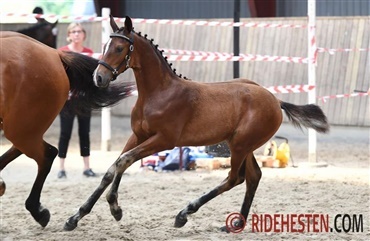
{"x": 35, "y": 81}
{"x": 173, "y": 111}
{"x": 43, "y": 31}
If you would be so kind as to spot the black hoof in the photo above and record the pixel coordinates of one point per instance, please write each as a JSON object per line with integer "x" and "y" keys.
{"x": 180, "y": 221}
{"x": 117, "y": 214}
{"x": 224, "y": 229}
{"x": 70, "y": 225}
{"x": 44, "y": 218}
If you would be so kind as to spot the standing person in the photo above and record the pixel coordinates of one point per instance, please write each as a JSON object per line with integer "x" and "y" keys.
{"x": 76, "y": 37}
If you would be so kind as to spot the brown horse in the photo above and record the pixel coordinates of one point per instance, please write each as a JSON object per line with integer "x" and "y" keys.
{"x": 171, "y": 111}
{"x": 34, "y": 84}
{"x": 42, "y": 31}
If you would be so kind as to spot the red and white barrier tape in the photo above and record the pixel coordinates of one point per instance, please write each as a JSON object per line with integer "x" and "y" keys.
{"x": 214, "y": 23}
{"x": 195, "y": 53}
{"x": 244, "y": 57}
{"x": 284, "y": 89}
{"x": 160, "y": 21}
{"x": 325, "y": 98}
{"x": 65, "y": 17}
{"x": 333, "y": 51}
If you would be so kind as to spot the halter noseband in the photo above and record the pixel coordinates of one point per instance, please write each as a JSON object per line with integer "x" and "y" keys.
{"x": 125, "y": 60}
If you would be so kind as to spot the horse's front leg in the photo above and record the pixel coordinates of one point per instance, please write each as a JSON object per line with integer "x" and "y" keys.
{"x": 112, "y": 195}
{"x": 88, "y": 205}
{"x": 125, "y": 160}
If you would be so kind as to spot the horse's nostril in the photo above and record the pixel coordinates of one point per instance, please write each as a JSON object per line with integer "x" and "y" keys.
{"x": 99, "y": 80}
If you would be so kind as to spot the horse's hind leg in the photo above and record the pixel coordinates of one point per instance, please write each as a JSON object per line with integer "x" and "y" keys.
{"x": 5, "y": 159}
{"x": 253, "y": 176}
{"x": 9, "y": 156}
{"x": 234, "y": 178}
{"x": 43, "y": 153}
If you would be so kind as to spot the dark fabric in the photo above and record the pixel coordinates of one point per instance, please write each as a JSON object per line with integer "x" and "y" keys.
{"x": 67, "y": 116}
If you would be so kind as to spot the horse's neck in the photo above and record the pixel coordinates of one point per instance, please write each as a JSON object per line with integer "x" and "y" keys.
{"x": 152, "y": 72}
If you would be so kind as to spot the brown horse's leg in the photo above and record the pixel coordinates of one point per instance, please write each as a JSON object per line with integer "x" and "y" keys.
{"x": 9, "y": 156}
{"x": 253, "y": 174}
{"x": 236, "y": 176}
{"x": 252, "y": 177}
{"x": 112, "y": 194}
{"x": 44, "y": 161}
{"x": 5, "y": 159}
{"x": 150, "y": 146}
{"x": 88, "y": 205}
{"x": 44, "y": 154}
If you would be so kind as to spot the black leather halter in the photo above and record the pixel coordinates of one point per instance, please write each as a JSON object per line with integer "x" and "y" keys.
{"x": 126, "y": 60}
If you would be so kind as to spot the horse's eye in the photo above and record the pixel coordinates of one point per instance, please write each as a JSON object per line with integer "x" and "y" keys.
{"x": 119, "y": 49}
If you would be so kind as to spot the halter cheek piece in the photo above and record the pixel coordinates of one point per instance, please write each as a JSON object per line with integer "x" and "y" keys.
{"x": 126, "y": 60}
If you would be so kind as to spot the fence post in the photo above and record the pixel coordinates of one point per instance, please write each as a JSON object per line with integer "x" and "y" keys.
{"x": 236, "y": 64}
{"x": 312, "y": 51}
{"x": 105, "y": 113}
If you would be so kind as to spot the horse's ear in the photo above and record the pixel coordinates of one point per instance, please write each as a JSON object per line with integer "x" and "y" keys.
{"x": 128, "y": 24}
{"x": 113, "y": 23}
{"x": 55, "y": 24}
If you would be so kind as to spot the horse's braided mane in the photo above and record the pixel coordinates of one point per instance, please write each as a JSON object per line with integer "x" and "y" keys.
{"x": 160, "y": 53}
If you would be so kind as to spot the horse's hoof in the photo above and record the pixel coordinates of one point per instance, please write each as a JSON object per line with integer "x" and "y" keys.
{"x": 224, "y": 229}
{"x": 70, "y": 225}
{"x": 2, "y": 187}
{"x": 45, "y": 218}
{"x": 180, "y": 220}
{"x": 117, "y": 214}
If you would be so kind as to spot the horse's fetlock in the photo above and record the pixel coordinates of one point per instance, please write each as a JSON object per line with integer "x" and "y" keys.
{"x": 111, "y": 198}
{"x": 84, "y": 210}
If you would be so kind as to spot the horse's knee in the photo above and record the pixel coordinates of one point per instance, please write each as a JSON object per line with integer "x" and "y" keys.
{"x": 108, "y": 177}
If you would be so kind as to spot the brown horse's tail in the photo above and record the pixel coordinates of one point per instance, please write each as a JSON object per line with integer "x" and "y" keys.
{"x": 310, "y": 116}
{"x": 83, "y": 92}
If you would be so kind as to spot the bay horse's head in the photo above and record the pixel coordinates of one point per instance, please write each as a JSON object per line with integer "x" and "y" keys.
{"x": 43, "y": 31}
{"x": 116, "y": 55}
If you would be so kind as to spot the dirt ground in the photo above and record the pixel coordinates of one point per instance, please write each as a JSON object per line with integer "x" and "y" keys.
{"x": 151, "y": 200}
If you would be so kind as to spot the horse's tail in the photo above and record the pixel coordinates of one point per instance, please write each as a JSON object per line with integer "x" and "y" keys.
{"x": 83, "y": 92}
{"x": 310, "y": 116}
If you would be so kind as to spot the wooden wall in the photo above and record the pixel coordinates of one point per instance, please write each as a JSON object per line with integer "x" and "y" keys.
{"x": 338, "y": 73}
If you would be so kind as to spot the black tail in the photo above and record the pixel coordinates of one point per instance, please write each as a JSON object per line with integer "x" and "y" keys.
{"x": 84, "y": 93}
{"x": 310, "y": 116}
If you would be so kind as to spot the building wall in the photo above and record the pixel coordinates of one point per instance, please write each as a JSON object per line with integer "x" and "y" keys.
{"x": 206, "y": 9}
{"x": 289, "y": 8}
{"x": 180, "y": 9}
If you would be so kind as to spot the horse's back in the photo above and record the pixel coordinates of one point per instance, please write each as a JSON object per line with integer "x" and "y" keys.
{"x": 240, "y": 105}
{"x": 32, "y": 80}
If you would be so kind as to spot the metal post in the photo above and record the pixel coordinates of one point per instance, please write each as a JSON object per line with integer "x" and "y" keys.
{"x": 105, "y": 114}
{"x": 236, "y": 37}
{"x": 180, "y": 160}
{"x": 312, "y": 50}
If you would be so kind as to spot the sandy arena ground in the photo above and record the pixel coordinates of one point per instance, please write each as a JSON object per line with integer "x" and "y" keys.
{"x": 150, "y": 200}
